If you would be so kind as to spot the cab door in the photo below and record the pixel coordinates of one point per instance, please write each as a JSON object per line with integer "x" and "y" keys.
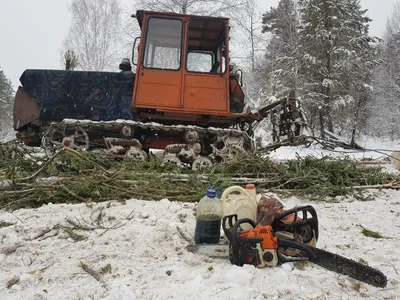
{"x": 205, "y": 79}
{"x": 159, "y": 77}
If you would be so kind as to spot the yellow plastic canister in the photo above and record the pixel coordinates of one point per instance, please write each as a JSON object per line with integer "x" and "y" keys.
{"x": 237, "y": 200}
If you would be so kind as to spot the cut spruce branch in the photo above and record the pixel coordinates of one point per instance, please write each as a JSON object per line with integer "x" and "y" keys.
{"x": 79, "y": 177}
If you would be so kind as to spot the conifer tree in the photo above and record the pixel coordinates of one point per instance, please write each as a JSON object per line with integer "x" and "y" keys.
{"x": 282, "y": 56}
{"x": 336, "y": 53}
{"x": 6, "y": 104}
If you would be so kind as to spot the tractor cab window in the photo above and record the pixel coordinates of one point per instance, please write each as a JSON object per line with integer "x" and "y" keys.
{"x": 200, "y": 61}
{"x": 163, "y": 44}
{"x": 206, "y": 40}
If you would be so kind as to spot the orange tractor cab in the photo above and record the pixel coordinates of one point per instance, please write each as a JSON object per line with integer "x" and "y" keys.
{"x": 183, "y": 72}
{"x": 184, "y": 98}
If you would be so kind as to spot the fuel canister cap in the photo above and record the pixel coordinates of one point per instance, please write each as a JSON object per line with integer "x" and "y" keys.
{"x": 211, "y": 193}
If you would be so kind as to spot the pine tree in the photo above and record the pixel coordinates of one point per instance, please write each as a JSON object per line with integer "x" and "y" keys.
{"x": 6, "y": 104}
{"x": 336, "y": 51}
{"x": 282, "y": 57}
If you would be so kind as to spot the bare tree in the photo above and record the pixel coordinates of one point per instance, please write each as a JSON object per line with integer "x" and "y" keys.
{"x": 384, "y": 107}
{"x": 95, "y": 33}
{"x": 247, "y": 24}
{"x": 233, "y": 9}
{"x": 248, "y": 46}
{"x": 130, "y": 31}
{"x": 393, "y": 23}
{"x": 197, "y": 7}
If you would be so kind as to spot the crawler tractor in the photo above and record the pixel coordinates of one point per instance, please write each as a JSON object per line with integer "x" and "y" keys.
{"x": 184, "y": 97}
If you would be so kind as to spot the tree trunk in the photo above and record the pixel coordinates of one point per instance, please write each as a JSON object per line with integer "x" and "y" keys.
{"x": 184, "y": 7}
{"x": 355, "y": 122}
{"x": 252, "y": 47}
{"x": 321, "y": 122}
{"x": 328, "y": 90}
{"x": 68, "y": 64}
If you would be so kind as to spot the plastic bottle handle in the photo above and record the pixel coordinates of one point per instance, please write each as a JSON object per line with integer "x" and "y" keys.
{"x": 232, "y": 189}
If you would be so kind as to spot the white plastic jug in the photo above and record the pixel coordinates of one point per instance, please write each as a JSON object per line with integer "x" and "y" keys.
{"x": 237, "y": 200}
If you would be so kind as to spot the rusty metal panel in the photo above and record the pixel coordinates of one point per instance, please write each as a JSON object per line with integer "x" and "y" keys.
{"x": 26, "y": 109}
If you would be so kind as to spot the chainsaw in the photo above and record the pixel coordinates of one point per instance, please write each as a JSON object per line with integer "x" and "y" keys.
{"x": 290, "y": 238}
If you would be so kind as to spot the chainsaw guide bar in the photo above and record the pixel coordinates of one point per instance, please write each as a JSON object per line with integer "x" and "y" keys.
{"x": 212, "y": 250}
{"x": 339, "y": 264}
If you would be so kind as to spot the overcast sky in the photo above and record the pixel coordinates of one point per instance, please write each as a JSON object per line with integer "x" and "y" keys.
{"x": 32, "y": 31}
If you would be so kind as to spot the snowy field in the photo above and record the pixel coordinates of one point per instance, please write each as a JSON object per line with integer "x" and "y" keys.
{"x": 147, "y": 257}
{"x": 137, "y": 251}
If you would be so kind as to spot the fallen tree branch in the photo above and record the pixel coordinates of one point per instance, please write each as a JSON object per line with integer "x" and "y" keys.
{"x": 87, "y": 159}
{"x": 183, "y": 235}
{"x": 18, "y": 192}
{"x": 79, "y": 225}
{"x": 46, "y": 164}
{"x": 64, "y": 188}
{"x": 96, "y": 275}
{"x": 41, "y": 234}
{"x": 120, "y": 224}
{"x": 377, "y": 186}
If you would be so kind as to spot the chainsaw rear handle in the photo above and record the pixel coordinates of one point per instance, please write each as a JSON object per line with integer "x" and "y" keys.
{"x": 232, "y": 221}
{"x": 232, "y": 234}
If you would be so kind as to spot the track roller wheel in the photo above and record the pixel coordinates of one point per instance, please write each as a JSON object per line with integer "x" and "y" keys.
{"x": 201, "y": 163}
{"x": 171, "y": 160}
{"x": 136, "y": 154}
{"x": 62, "y": 137}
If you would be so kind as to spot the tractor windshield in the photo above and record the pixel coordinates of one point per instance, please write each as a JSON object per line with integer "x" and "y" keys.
{"x": 163, "y": 44}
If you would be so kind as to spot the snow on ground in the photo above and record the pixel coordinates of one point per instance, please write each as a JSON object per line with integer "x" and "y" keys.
{"x": 375, "y": 149}
{"x": 148, "y": 258}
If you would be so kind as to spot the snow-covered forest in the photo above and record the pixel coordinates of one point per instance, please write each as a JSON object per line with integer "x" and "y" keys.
{"x": 346, "y": 79}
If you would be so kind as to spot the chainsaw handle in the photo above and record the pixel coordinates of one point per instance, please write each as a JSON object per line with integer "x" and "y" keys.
{"x": 234, "y": 221}
{"x": 231, "y": 219}
{"x": 244, "y": 221}
{"x": 233, "y": 236}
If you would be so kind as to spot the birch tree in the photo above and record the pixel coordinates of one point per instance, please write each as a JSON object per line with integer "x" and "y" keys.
{"x": 248, "y": 44}
{"x": 95, "y": 34}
